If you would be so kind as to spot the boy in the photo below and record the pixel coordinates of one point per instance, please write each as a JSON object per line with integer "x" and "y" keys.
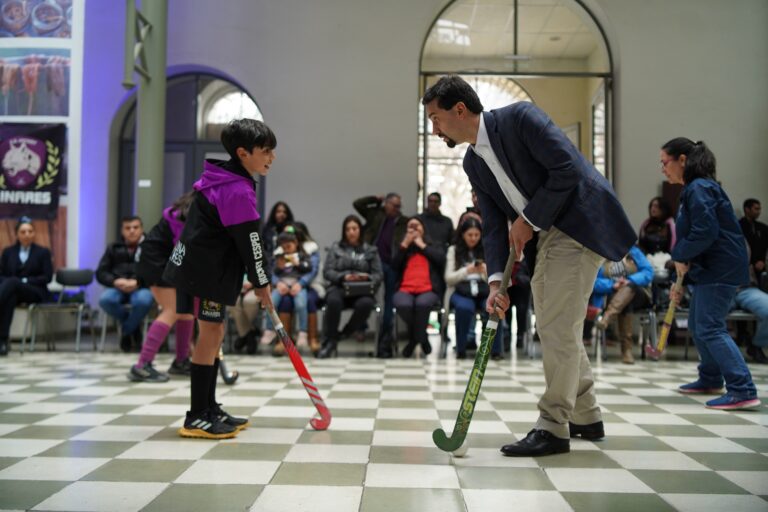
{"x": 220, "y": 242}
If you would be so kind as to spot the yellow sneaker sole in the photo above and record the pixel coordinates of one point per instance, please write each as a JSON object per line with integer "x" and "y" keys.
{"x": 202, "y": 434}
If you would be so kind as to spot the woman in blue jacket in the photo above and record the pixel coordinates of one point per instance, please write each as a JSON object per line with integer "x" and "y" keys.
{"x": 628, "y": 283}
{"x": 712, "y": 251}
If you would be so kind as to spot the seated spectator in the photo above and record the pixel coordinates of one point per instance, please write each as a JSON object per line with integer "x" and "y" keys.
{"x": 245, "y": 313}
{"x": 279, "y": 217}
{"x": 353, "y": 273}
{"x": 626, "y": 283}
{"x": 309, "y": 281}
{"x": 25, "y": 271}
{"x": 467, "y": 280}
{"x": 117, "y": 272}
{"x": 384, "y": 227}
{"x": 439, "y": 227}
{"x": 756, "y": 234}
{"x": 291, "y": 263}
{"x": 657, "y": 232}
{"x": 751, "y": 298}
{"x": 419, "y": 266}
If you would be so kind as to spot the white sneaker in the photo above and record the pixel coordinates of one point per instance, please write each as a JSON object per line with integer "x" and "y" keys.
{"x": 267, "y": 337}
{"x": 303, "y": 339}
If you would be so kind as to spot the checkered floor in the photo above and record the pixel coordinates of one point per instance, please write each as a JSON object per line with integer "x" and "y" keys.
{"x": 76, "y": 435}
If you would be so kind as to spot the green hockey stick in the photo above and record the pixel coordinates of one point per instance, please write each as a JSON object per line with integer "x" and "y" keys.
{"x": 453, "y": 443}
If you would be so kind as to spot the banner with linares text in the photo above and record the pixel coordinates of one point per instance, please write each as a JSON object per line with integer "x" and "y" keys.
{"x": 32, "y": 166}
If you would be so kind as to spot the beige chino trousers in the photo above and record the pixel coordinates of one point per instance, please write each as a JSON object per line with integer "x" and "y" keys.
{"x": 562, "y": 283}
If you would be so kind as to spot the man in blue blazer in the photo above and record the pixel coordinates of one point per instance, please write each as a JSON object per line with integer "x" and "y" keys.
{"x": 527, "y": 172}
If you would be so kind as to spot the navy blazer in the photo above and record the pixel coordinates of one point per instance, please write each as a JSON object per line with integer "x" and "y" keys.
{"x": 38, "y": 269}
{"x": 562, "y": 188}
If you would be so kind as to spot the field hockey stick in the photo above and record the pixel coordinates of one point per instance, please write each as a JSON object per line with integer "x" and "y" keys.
{"x": 230, "y": 377}
{"x": 460, "y": 429}
{"x": 666, "y": 326}
{"x": 324, "y": 420}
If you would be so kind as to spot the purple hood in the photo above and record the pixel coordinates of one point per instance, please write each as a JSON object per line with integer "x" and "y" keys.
{"x": 172, "y": 217}
{"x": 230, "y": 191}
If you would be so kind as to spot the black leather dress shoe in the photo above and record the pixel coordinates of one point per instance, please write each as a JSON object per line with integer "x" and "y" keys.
{"x": 3, "y": 347}
{"x": 537, "y": 443}
{"x": 590, "y": 432}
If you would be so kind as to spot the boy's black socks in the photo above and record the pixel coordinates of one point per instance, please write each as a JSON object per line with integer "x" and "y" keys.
{"x": 214, "y": 379}
{"x": 202, "y": 377}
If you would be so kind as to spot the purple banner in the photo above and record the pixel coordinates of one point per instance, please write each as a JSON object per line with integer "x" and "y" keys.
{"x": 31, "y": 169}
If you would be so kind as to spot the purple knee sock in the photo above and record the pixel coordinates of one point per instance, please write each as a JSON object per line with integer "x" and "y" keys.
{"x": 155, "y": 336}
{"x": 184, "y": 330}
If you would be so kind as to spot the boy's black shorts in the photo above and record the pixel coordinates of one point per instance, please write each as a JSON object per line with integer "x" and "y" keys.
{"x": 209, "y": 311}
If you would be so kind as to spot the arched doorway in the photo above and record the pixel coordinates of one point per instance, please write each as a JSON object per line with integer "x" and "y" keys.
{"x": 198, "y": 106}
{"x": 551, "y": 52}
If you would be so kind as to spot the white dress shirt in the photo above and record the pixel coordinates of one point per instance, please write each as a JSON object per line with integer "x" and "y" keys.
{"x": 484, "y": 150}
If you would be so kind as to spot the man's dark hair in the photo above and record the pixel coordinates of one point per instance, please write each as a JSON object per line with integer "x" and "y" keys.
{"x": 391, "y": 195}
{"x": 749, "y": 203}
{"x": 700, "y": 161}
{"x": 130, "y": 218}
{"x": 450, "y": 90}
{"x": 247, "y": 134}
{"x": 437, "y": 195}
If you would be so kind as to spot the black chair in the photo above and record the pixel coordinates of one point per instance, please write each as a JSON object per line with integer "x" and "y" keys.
{"x": 67, "y": 278}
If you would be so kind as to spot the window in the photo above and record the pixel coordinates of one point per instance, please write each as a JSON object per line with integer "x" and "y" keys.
{"x": 598, "y": 130}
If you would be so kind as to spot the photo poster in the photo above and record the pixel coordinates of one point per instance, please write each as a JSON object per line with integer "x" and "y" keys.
{"x": 32, "y": 169}
{"x": 34, "y": 81}
{"x": 36, "y": 18}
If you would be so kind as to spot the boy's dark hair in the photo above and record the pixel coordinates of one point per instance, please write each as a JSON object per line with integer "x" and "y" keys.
{"x": 437, "y": 195}
{"x": 450, "y": 90}
{"x": 749, "y": 203}
{"x": 700, "y": 161}
{"x": 247, "y": 134}
{"x": 130, "y": 218}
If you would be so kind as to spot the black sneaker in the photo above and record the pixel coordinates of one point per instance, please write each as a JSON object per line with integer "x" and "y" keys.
{"x": 757, "y": 355}
{"x": 146, "y": 373}
{"x": 180, "y": 368}
{"x": 126, "y": 341}
{"x": 226, "y": 418}
{"x": 206, "y": 425}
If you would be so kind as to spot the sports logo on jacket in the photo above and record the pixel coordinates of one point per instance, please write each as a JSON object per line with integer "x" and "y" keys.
{"x": 178, "y": 254}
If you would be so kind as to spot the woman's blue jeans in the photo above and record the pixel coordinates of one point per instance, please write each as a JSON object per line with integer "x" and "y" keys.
{"x": 465, "y": 309}
{"x": 719, "y": 355}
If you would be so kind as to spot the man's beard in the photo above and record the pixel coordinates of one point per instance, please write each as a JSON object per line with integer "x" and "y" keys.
{"x": 448, "y": 141}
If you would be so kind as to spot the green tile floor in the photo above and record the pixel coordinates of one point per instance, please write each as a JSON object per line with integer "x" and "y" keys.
{"x": 75, "y": 435}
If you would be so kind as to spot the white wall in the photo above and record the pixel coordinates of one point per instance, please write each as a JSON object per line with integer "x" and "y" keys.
{"x": 695, "y": 68}
{"x": 338, "y": 82}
